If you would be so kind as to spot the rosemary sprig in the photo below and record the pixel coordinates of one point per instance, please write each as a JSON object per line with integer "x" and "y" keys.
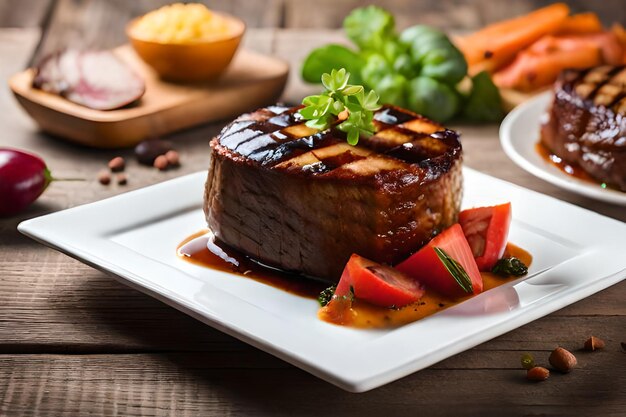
{"x": 340, "y": 98}
{"x": 456, "y": 270}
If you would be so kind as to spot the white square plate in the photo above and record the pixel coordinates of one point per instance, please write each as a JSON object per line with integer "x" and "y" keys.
{"x": 134, "y": 236}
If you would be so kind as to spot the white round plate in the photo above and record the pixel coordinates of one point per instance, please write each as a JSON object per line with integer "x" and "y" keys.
{"x": 519, "y": 134}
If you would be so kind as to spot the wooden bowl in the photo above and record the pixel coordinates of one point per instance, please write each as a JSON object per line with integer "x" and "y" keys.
{"x": 197, "y": 60}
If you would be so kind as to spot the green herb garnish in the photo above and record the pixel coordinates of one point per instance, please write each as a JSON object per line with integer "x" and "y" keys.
{"x": 456, "y": 270}
{"x": 419, "y": 68}
{"x": 484, "y": 103}
{"x": 512, "y": 266}
{"x": 341, "y": 98}
{"x": 326, "y": 295}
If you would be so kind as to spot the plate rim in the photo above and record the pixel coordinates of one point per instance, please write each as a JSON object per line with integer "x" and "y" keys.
{"x": 545, "y": 171}
{"x": 366, "y": 379}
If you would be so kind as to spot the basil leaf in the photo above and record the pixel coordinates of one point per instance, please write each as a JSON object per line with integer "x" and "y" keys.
{"x": 432, "y": 99}
{"x": 420, "y": 34}
{"x": 392, "y": 88}
{"x": 369, "y": 27}
{"x": 484, "y": 103}
{"x": 325, "y": 59}
{"x": 375, "y": 69}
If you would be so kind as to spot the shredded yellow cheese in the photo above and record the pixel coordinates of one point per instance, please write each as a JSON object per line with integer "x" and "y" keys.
{"x": 181, "y": 23}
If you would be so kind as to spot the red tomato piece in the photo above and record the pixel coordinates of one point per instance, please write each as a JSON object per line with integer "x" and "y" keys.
{"x": 487, "y": 232}
{"x": 378, "y": 284}
{"x": 426, "y": 266}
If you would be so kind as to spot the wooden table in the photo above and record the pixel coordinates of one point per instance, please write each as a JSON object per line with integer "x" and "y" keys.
{"x": 74, "y": 341}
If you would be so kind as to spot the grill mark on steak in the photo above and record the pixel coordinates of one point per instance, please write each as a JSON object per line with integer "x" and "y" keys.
{"x": 600, "y": 86}
{"x": 245, "y": 132}
{"x": 291, "y": 147}
{"x": 390, "y": 138}
{"x": 393, "y": 116}
{"x": 273, "y": 138}
{"x": 426, "y": 148}
{"x": 619, "y": 80}
{"x": 287, "y": 117}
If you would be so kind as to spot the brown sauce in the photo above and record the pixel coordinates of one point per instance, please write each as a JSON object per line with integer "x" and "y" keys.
{"x": 291, "y": 283}
{"x": 360, "y": 314}
{"x": 567, "y": 168}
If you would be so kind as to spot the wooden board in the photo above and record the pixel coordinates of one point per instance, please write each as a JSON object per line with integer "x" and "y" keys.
{"x": 165, "y": 107}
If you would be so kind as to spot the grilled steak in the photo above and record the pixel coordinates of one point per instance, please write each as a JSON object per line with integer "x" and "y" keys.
{"x": 303, "y": 200}
{"x": 587, "y": 122}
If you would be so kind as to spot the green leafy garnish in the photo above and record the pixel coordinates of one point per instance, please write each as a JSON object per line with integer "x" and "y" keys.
{"x": 331, "y": 56}
{"x": 433, "y": 52}
{"x": 369, "y": 27}
{"x": 324, "y": 109}
{"x": 432, "y": 98}
{"x": 326, "y": 295}
{"x": 456, "y": 270}
{"x": 512, "y": 266}
{"x": 484, "y": 103}
{"x": 419, "y": 68}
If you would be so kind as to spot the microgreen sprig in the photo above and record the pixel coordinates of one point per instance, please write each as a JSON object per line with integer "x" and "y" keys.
{"x": 340, "y": 98}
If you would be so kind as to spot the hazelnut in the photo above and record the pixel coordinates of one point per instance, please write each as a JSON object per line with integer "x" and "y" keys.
{"x": 537, "y": 373}
{"x": 593, "y": 343}
{"x": 173, "y": 158}
{"x": 562, "y": 360}
{"x": 161, "y": 162}
{"x": 104, "y": 177}
{"x": 117, "y": 164}
{"x": 122, "y": 179}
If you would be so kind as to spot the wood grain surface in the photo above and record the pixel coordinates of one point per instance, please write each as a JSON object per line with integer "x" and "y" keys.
{"x": 73, "y": 341}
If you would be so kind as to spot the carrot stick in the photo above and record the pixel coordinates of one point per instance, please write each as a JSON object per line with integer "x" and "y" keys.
{"x": 580, "y": 24}
{"x": 541, "y": 64}
{"x": 500, "y": 41}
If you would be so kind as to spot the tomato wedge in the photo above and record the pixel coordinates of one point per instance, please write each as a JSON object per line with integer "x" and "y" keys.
{"x": 427, "y": 267}
{"x": 487, "y": 232}
{"x": 378, "y": 284}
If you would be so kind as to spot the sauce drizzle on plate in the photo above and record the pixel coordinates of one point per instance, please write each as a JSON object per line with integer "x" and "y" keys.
{"x": 195, "y": 249}
{"x": 569, "y": 169}
{"x": 224, "y": 258}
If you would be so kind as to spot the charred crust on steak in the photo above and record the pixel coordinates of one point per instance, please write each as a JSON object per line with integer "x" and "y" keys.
{"x": 405, "y": 143}
{"x": 586, "y": 124}
{"x": 304, "y": 200}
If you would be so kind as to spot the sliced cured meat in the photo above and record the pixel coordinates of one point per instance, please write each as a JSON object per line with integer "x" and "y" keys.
{"x": 94, "y": 79}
